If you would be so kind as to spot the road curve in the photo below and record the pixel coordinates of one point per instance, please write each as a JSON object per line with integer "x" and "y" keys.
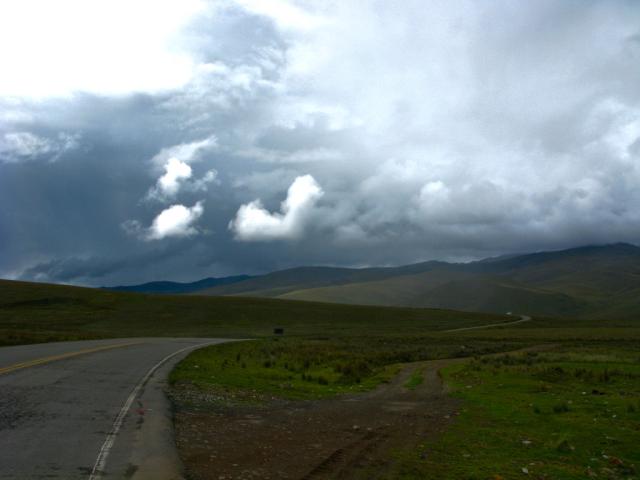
{"x": 89, "y": 410}
{"x": 523, "y": 318}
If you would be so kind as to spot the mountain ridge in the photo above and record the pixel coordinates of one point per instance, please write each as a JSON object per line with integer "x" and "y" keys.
{"x": 587, "y": 281}
{"x": 168, "y": 287}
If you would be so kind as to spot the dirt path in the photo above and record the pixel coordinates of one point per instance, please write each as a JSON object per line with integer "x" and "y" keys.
{"x": 347, "y": 437}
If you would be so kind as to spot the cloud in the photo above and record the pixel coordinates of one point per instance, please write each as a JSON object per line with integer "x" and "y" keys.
{"x": 184, "y": 152}
{"x": 175, "y": 161}
{"x": 141, "y": 57}
{"x": 175, "y": 221}
{"x": 457, "y": 131}
{"x": 286, "y": 14}
{"x": 176, "y": 171}
{"x": 254, "y": 223}
{"x": 202, "y": 184}
{"x": 18, "y": 146}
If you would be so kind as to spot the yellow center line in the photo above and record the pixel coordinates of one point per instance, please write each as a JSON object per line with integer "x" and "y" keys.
{"x": 53, "y": 358}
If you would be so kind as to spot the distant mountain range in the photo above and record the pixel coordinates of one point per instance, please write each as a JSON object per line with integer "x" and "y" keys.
{"x": 593, "y": 281}
{"x": 179, "y": 287}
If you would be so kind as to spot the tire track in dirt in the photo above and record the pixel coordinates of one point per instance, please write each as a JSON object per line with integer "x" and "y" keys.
{"x": 339, "y": 462}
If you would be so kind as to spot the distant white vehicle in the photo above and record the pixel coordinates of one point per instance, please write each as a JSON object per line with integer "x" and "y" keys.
{"x": 509, "y": 313}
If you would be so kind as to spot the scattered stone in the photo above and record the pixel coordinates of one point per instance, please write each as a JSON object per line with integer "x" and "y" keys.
{"x": 615, "y": 461}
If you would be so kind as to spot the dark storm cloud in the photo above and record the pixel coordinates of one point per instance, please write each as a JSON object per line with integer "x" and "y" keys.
{"x": 456, "y": 131}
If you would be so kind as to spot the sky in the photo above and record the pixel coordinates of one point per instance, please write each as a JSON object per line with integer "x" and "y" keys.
{"x": 178, "y": 140}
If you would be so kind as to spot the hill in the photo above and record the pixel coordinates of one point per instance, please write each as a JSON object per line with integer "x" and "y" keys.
{"x": 166, "y": 287}
{"x": 36, "y": 312}
{"x": 592, "y": 281}
{"x": 284, "y": 281}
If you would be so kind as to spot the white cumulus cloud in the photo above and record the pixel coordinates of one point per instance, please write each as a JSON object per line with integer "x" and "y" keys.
{"x": 175, "y": 172}
{"x": 175, "y": 161}
{"x": 254, "y": 223}
{"x": 175, "y": 221}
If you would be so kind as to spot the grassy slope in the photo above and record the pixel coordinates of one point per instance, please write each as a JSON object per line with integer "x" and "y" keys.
{"x": 284, "y": 281}
{"x": 599, "y": 282}
{"x": 42, "y": 312}
{"x": 456, "y": 290}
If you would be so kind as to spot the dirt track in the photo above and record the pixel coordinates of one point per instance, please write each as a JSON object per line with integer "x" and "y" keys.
{"x": 348, "y": 437}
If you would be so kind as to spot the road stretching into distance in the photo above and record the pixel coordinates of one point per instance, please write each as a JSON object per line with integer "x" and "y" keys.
{"x": 523, "y": 318}
{"x": 89, "y": 410}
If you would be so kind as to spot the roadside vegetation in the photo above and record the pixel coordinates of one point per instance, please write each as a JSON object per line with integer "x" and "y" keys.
{"x": 306, "y": 368}
{"x": 415, "y": 380}
{"x": 570, "y": 413}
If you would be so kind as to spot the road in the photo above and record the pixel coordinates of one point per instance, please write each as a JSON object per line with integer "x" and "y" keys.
{"x": 523, "y": 318}
{"x": 89, "y": 410}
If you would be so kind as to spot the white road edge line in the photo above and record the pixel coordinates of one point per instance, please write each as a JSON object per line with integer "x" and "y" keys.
{"x": 101, "y": 461}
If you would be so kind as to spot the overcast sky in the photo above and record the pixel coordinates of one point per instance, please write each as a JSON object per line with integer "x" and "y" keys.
{"x": 144, "y": 140}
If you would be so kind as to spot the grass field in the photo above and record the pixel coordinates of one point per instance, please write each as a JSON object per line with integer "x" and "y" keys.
{"x": 571, "y": 413}
{"x": 32, "y": 312}
{"x": 302, "y": 368}
{"x": 568, "y": 411}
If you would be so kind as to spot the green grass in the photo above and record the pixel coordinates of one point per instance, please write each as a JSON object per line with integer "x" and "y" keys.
{"x": 32, "y": 312}
{"x": 415, "y": 380}
{"x": 302, "y": 368}
{"x": 566, "y": 413}
{"x": 569, "y": 414}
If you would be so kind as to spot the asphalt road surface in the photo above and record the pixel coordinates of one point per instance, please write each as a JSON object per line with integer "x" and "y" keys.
{"x": 89, "y": 410}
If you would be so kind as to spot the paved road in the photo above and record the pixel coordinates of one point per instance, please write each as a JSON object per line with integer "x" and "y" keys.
{"x": 89, "y": 410}
{"x": 523, "y": 318}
